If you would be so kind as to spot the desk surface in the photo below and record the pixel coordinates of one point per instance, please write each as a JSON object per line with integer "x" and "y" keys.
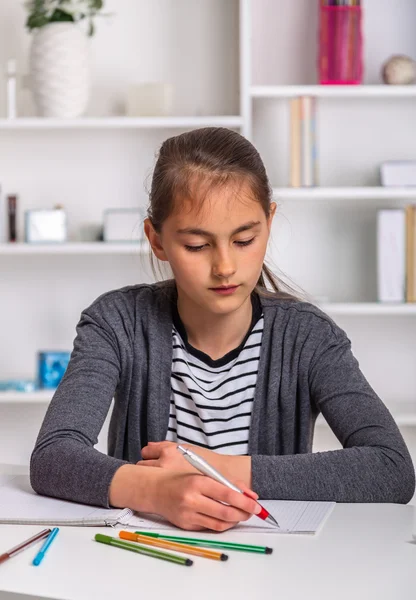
{"x": 363, "y": 551}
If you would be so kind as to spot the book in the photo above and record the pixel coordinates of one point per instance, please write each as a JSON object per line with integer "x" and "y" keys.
{"x": 20, "y": 505}
{"x": 295, "y": 143}
{"x": 411, "y": 253}
{"x": 391, "y": 255}
{"x": 306, "y": 128}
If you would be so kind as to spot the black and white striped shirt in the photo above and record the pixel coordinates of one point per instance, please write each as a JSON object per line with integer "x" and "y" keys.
{"x": 211, "y": 400}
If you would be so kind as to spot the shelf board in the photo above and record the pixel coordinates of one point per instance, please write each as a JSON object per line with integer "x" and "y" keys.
{"x": 122, "y": 122}
{"x": 345, "y": 193}
{"x": 404, "y": 416}
{"x": 76, "y": 248}
{"x": 39, "y": 397}
{"x": 333, "y": 91}
{"x": 368, "y": 308}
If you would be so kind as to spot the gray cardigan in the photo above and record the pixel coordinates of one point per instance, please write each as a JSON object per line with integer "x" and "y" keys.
{"x": 123, "y": 349}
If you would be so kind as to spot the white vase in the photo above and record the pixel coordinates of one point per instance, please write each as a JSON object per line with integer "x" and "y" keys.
{"x": 59, "y": 69}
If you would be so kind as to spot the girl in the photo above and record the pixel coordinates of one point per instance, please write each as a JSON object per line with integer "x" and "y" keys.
{"x": 214, "y": 359}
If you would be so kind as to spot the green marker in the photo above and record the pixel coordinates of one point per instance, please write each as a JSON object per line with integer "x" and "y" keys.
{"x": 211, "y": 543}
{"x": 106, "y": 539}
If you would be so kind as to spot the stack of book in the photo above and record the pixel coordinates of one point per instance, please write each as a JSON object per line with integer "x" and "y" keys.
{"x": 396, "y": 254}
{"x": 303, "y": 148}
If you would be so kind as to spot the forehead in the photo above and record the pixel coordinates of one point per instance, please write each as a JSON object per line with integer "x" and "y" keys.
{"x": 213, "y": 207}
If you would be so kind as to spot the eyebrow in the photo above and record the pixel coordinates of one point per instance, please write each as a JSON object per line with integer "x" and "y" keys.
{"x": 196, "y": 231}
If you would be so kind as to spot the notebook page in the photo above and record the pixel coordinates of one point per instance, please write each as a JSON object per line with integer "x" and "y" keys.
{"x": 20, "y": 504}
{"x": 292, "y": 516}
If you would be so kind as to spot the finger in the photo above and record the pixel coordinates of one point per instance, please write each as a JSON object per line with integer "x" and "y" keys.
{"x": 151, "y": 452}
{"x": 148, "y": 463}
{"x": 246, "y": 490}
{"x": 221, "y": 513}
{"x": 205, "y": 522}
{"x": 221, "y": 493}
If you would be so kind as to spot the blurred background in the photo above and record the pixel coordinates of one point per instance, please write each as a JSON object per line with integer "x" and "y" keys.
{"x": 82, "y": 117}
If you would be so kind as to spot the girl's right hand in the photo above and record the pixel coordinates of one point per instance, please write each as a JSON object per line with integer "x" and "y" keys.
{"x": 196, "y": 502}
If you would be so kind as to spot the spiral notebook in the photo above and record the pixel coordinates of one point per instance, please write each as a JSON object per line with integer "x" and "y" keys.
{"x": 19, "y": 504}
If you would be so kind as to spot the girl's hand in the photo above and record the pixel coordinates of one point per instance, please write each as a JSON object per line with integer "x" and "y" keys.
{"x": 197, "y": 502}
{"x": 166, "y": 455}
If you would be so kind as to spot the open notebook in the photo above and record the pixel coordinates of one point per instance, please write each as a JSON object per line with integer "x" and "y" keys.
{"x": 19, "y": 504}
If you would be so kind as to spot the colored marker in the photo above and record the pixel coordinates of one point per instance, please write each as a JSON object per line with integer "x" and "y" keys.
{"x": 40, "y": 555}
{"x": 210, "y": 543}
{"x": 10, "y": 553}
{"x": 106, "y": 539}
{"x": 169, "y": 545}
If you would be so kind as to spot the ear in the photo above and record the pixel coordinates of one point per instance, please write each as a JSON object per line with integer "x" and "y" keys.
{"x": 154, "y": 240}
{"x": 273, "y": 207}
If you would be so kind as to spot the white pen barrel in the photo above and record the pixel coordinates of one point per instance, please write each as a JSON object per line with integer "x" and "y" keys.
{"x": 204, "y": 467}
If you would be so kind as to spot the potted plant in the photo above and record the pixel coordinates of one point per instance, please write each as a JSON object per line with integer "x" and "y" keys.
{"x": 59, "y": 54}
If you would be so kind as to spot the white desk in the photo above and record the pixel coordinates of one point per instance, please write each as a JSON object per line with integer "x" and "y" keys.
{"x": 364, "y": 551}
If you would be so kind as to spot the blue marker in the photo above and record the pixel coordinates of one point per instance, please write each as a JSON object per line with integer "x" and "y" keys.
{"x": 39, "y": 556}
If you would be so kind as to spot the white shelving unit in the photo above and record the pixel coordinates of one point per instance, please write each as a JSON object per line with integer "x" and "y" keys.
{"x": 233, "y": 122}
{"x": 333, "y": 91}
{"x": 75, "y": 248}
{"x": 254, "y": 106}
{"x": 345, "y": 193}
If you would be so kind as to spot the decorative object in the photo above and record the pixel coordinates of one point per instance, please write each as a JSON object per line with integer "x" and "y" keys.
{"x": 340, "y": 44}
{"x": 11, "y": 89}
{"x": 150, "y": 100}
{"x": 398, "y": 173}
{"x": 12, "y": 214}
{"x": 399, "y": 70}
{"x": 51, "y": 368}
{"x": 122, "y": 225}
{"x": 59, "y": 55}
{"x": 45, "y": 226}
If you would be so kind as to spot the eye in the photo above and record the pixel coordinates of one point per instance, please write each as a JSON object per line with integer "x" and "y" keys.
{"x": 245, "y": 242}
{"x": 194, "y": 248}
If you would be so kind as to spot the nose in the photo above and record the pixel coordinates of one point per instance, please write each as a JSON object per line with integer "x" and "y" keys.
{"x": 224, "y": 264}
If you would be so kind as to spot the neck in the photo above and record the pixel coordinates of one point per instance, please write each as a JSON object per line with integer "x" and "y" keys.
{"x": 211, "y": 333}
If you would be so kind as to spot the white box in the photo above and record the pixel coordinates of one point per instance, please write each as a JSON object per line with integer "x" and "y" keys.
{"x": 398, "y": 173}
{"x": 122, "y": 225}
{"x": 391, "y": 255}
{"x": 44, "y": 226}
{"x": 150, "y": 100}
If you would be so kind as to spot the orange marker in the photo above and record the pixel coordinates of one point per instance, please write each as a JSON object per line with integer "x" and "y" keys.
{"x": 168, "y": 545}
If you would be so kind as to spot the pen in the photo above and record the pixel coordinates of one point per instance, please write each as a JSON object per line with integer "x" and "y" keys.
{"x": 202, "y": 466}
{"x": 170, "y": 545}
{"x": 106, "y": 539}
{"x": 10, "y": 553}
{"x": 210, "y": 543}
{"x": 39, "y": 556}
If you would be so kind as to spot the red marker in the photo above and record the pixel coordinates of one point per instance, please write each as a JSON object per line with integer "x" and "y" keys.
{"x": 202, "y": 466}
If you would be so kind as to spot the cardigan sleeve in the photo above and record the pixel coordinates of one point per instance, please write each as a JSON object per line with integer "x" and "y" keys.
{"x": 64, "y": 462}
{"x": 374, "y": 464}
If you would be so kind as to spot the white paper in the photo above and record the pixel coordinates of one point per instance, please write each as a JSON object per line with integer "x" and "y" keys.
{"x": 293, "y": 517}
{"x": 19, "y": 503}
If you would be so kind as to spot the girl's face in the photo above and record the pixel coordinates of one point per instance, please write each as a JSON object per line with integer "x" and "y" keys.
{"x": 223, "y": 244}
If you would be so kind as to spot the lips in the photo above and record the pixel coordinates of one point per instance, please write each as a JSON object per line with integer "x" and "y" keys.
{"x": 225, "y": 287}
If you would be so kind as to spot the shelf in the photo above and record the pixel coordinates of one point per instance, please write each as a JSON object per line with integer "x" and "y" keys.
{"x": 345, "y": 193}
{"x": 122, "y": 123}
{"x": 403, "y": 417}
{"x": 368, "y": 308}
{"x": 76, "y": 248}
{"x": 333, "y": 91}
{"x": 39, "y": 397}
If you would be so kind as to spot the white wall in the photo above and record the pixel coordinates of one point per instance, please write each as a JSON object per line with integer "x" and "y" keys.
{"x": 329, "y": 249}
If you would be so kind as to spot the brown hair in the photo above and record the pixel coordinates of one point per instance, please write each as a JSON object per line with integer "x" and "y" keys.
{"x": 217, "y": 156}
